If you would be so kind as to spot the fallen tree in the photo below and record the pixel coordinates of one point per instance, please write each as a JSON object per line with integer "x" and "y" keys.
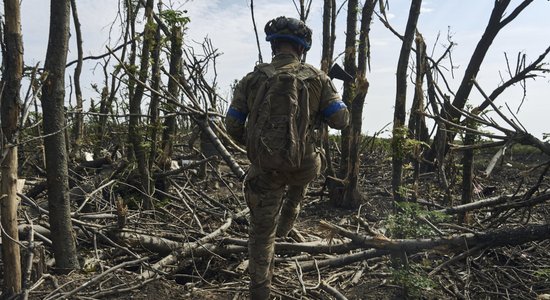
{"x": 493, "y": 238}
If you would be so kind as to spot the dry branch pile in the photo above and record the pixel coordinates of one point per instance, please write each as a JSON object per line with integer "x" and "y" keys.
{"x": 193, "y": 244}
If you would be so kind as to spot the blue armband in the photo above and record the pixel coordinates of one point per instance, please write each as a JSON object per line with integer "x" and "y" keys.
{"x": 240, "y": 116}
{"x": 333, "y": 108}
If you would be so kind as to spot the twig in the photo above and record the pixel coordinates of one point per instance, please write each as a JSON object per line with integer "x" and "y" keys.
{"x": 166, "y": 264}
{"x": 512, "y": 124}
{"x": 89, "y": 196}
{"x": 300, "y": 276}
{"x": 30, "y": 255}
{"x": 260, "y": 59}
{"x": 332, "y": 291}
{"x": 98, "y": 278}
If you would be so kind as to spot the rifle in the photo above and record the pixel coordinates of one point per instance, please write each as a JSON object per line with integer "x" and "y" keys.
{"x": 336, "y": 72}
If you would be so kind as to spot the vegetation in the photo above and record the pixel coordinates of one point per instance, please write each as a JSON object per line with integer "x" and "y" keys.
{"x": 113, "y": 192}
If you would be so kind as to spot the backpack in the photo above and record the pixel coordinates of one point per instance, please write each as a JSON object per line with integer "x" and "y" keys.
{"x": 279, "y": 119}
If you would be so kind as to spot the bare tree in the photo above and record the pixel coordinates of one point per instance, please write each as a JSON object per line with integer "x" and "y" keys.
{"x": 167, "y": 144}
{"x": 350, "y": 66}
{"x": 497, "y": 21}
{"x": 53, "y": 97}
{"x": 399, "y": 131}
{"x": 326, "y": 55}
{"x": 10, "y": 110}
{"x": 335, "y": 185}
{"x": 329, "y": 24}
{"x": 352, "y": 197}
{"x": 134, "y": 135}
{"x": 154, "y": 123}
{"x": 78, "y": 128}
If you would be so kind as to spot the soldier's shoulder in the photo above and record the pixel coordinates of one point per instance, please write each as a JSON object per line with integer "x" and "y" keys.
{"x": 313, "y": 71}
{"x": 254, "y": 74}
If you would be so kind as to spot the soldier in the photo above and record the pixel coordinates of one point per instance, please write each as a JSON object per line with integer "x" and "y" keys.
{"x": 270, "y": 214}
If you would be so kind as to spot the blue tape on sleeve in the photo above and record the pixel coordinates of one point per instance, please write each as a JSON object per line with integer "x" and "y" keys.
{"x": 333, "y": 108}
{"x": 240, "y": 116}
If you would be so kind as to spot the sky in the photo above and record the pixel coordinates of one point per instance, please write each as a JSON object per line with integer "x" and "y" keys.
{"x": 228, "y": 24}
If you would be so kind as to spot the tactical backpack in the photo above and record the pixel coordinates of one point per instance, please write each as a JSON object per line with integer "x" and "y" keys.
{"x": 279, "y": 120}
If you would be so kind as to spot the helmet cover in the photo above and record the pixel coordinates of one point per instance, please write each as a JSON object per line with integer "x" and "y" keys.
{"x": 290, "y": 29}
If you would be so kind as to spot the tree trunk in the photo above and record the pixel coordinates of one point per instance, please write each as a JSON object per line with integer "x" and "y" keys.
{"x": 78, "y": 128}
{"x": 11, "y": 79}
{"x": 493, "y": 238}
{"x": 326, "y": 58}
{"x": 326, "y": 63}
{"x": 176, "y": 53}
{"x": 467, "y": 176}
{"x": 53, "y": 96}
{"x": 134, "y": 134}
{"x": 169, "y": 128}
{"x": 352, "y": 198}
{"x": 337, "y": 188}
{"x": 417, "y": 123}
{"x": 154, "y": 105}
{"x": 399, "y": 115}
{"x": 104, "y": 110}
{"x": 350, "y": 66}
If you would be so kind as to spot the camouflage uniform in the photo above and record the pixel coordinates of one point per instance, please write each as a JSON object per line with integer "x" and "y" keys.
{"x": 269, "y": 214}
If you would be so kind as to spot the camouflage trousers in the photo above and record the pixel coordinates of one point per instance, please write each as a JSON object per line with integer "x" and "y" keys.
{"x": 271, "y": 216}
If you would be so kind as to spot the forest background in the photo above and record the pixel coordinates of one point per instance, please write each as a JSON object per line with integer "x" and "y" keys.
{"x": 229, "y": 26}
{"x": 96, "y": 155}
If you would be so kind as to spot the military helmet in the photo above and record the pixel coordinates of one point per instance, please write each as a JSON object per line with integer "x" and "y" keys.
{"x": 290, "y": 29}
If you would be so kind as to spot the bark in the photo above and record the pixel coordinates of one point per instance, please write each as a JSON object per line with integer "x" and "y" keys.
{"x": 176, "y": 53}
{"x": 337, "y": 187}
{"x": 104, "y": 109}
{"x": 150, "y": 243}
{"x": 352, "y": 198}
{"x": 350, "y": 66}
{"x": 164, "y": 244}
{"x": 134, "y": 134}
{"x": 417, "y": 123}
{"x": 400, "y": 101}
{"x": 467, "y": 175}
{"x": 503, "y": 202}
{"x": 10, "y": 110}
{"x": 155, "y": 98}
{"x": 53, "y": 94}
{"x": 343, "y": 260}
{"x": 78, "y": 128}
{"x": 326, "y": 58}
{"x": 326, "y": 63}
{"x": 495, "y": 238}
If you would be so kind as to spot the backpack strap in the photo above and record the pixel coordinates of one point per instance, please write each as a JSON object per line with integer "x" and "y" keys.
{"x": 267, "y": 69}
